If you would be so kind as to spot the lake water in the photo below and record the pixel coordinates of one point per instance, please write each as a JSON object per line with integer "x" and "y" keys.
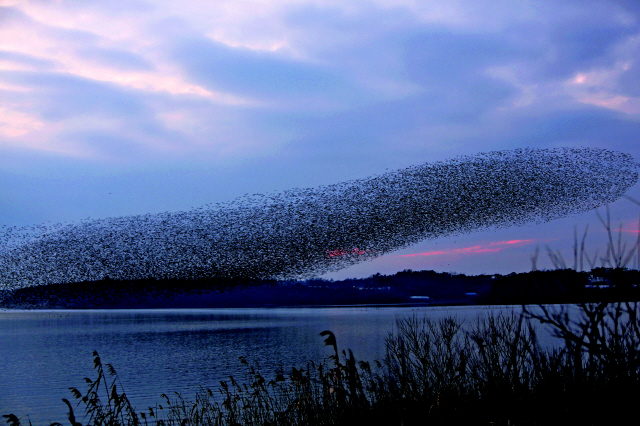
{"x": 43, "y": 353}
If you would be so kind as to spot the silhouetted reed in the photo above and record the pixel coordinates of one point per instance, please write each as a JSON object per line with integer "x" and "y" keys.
{"x": 489, "y": 371}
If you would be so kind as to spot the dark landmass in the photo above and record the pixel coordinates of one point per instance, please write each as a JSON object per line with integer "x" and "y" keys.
{"x": 404, "y": 288}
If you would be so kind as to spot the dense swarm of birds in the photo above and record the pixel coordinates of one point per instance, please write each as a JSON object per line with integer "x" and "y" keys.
{"x": 307, "y": 232}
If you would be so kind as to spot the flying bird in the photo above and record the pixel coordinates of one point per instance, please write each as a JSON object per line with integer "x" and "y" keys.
{"x": 302, "y": 233}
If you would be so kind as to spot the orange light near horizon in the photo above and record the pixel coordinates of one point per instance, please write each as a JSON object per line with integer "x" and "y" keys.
{"x": 480, "y": 248}
{"x": 633, "y": 229}
{"x": 339, "y": 252}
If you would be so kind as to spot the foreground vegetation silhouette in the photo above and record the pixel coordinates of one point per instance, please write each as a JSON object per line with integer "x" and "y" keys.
{"x": 491, "y": 371}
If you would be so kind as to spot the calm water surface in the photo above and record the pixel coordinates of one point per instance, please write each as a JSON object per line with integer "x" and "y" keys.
{"x": 43, "y": 353}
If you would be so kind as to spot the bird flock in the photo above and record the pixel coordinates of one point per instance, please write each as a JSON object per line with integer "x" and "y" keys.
{"x": 303, "y": 233}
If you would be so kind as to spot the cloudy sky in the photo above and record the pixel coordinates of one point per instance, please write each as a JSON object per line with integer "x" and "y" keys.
{"x": 129, "y": 107}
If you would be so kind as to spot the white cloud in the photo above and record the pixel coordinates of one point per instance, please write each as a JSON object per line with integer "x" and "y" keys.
{"x": 14, "y": 123}
{"x": 309, "y": 92}
{"x": 342, "y": 64}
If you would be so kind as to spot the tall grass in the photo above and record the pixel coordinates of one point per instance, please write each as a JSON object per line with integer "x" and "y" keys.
{"x": 492, "y": 371}
{"x": 489, "y": 371}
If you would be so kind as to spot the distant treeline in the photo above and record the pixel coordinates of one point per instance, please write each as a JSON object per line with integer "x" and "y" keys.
{"x": 406, "y": 287}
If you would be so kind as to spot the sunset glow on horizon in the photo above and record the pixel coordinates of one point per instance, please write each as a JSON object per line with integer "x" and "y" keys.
{"x": 491, "y": 247}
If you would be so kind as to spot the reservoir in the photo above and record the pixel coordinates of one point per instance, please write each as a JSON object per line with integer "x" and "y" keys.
{"x": 45, "y": 352}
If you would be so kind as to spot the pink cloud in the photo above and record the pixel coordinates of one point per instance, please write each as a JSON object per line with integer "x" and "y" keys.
{"x": 480, "y": 248}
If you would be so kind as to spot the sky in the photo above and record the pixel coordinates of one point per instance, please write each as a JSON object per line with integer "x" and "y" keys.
{"x": 120, "y": 108}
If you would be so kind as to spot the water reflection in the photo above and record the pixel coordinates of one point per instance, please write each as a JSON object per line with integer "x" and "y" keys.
{"x": 155, "y": 351}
